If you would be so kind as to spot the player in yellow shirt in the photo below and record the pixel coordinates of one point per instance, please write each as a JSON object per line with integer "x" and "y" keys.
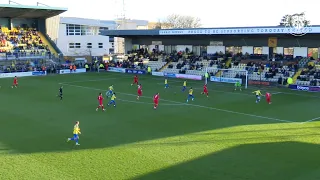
{"x": 258, "y": 95}
{"x": 190, "y": 95}
{"x": 113, "y": 100}
{"x": 184, "y": 86}
{"x": 76, "y": 132}
{"x": 166, "y": 85}
{"x": 110, "y": 92}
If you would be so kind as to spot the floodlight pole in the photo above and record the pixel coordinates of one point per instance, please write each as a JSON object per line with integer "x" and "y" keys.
{"x": 10, "y": 2}
{"x": 38, "y": 3}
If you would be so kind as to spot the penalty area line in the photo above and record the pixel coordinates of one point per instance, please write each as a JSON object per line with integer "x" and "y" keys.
{"x": 194, "y": 105}
{"x": 214, "y": 90}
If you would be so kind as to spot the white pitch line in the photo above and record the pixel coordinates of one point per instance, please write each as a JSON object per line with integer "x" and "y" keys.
{"x": 212, "y": 108}
{"x": 311, "y": 120}
{"x": 244, "y": 94}
{"x": 245, "y": 114}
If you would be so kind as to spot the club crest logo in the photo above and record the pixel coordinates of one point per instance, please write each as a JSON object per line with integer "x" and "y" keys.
{"x": 296, "y": 24}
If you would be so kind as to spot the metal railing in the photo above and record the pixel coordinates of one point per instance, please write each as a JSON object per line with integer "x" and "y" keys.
{"x": 25, "y": 56}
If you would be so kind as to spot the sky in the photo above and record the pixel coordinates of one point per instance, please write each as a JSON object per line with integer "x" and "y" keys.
{"x": 213, "y": 13}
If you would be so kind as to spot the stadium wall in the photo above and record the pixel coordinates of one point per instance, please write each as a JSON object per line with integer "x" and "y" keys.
{"x": 232, "y": 40}
{"x": 52, "y": 27}
{"x": 78, "y": 45}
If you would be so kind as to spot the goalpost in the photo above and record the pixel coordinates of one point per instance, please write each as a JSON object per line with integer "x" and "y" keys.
{"x": 230, "y": 76}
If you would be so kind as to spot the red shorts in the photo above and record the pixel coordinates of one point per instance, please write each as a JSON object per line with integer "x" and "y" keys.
{"x": 100, "y": 104}
{"x": 205, "y": 91}
{"x": 135, "y": 80}
{"x": 268, "y": 99}
{"x": 139, "y": 93}
{"x": 156, "y": 102}
{"x": 14, "y": 82}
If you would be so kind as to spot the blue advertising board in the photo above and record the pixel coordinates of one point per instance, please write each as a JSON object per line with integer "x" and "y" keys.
{"x": 39, "y": 73}
{"x": 305, "y": 88}
{"x": 170, "y": 75}
{"x": 135, "y": 71}
{"x": 300, "y": 88}
{"x": 314, "y": 89}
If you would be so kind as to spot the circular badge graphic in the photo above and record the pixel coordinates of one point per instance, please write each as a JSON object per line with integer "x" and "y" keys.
{"x": 297, "y": 25}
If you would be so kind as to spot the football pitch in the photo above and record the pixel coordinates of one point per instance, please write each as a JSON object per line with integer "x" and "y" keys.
{"x": 224, "y": 137}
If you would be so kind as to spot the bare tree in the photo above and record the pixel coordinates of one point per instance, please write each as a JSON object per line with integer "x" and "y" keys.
{"x": 297, "y": 19}
{"x": 158, "y": 25}
{"x": 179, "y": 21}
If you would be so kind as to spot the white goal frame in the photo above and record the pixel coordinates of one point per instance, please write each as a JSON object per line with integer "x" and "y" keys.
{"x": 217, "y": 70}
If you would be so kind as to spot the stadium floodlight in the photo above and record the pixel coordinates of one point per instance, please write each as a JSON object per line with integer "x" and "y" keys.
{"x": 39, "y": 3}
{"x": 228, "y": 76}
{"x": 14, "y": 2}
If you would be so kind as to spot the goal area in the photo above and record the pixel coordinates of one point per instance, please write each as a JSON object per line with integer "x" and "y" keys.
{"x": 230, "y": 76}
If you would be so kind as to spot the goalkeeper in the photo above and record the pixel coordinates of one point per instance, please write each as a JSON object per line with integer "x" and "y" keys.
{"x": 237, "y": 85}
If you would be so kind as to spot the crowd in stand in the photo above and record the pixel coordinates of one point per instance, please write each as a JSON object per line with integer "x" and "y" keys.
{"x": 22, "y": 42}
{"x": 311, "y": 73}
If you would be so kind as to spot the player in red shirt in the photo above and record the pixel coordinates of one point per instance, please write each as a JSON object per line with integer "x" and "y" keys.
{"x": 156, "y": 100}
{"x": 139, "y": 92}
{"x": 100, "y": 99}
{"x": 15, "y": 82}
{"x": 205, "y": 90}
{"x": 135, "y": 80}
{"x": 268, "y": 98}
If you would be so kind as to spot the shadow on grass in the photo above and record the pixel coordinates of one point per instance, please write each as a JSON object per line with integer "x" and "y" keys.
{"x": 269, "y": 161}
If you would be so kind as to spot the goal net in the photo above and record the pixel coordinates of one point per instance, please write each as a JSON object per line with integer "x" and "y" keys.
{"x": 230, "y": 76}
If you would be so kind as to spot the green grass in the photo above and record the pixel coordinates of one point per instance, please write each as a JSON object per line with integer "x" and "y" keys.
{"x": 225, "y": 137}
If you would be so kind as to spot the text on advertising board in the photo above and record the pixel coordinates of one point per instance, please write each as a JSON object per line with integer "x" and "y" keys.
{"x": 303, "y": 88}
{"x": 39, "y": 73}
{"x": 135, "y": 71}
{"x": 67, "y": 71}
{"x": 170, "y": 75}
{"x": 225, "y": 80}
{"x": 157, "y": 74}
{"x": 120, "y": 70}
{"x": 23, "y": 74}
{"x": 257, "y": 30}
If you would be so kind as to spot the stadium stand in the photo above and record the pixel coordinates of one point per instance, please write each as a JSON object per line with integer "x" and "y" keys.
{"x": 258, "y": 69}
{"x": 187, "y": 63}
{"x": 310, "y": 75}
{"x": 265, "y": 72}
{"x": 143, "y": 58}
{"x": 24, "y": 44}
